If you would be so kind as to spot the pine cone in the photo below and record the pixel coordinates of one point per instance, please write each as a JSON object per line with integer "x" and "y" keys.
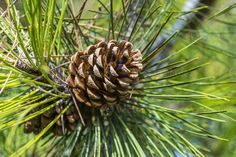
{"x": 102, "y": 74}
{"x": 69, "y": 120}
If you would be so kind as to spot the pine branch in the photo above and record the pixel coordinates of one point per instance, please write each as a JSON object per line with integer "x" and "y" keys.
{"x": 111, "y": 97}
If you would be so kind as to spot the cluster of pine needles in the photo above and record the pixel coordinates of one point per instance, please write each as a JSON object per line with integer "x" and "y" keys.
{"x": 169, "y": 112}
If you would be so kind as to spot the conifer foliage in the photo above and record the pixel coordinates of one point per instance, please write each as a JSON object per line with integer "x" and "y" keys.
{"x": 88, "y": 78}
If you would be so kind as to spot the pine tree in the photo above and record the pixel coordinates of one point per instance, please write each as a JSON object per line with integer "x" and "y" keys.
{"x": 112, "y": 78}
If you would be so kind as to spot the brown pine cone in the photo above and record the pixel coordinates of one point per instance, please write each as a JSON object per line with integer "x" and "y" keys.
{"x": 69, "y": 120}
{"x": 102, "y": 74}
